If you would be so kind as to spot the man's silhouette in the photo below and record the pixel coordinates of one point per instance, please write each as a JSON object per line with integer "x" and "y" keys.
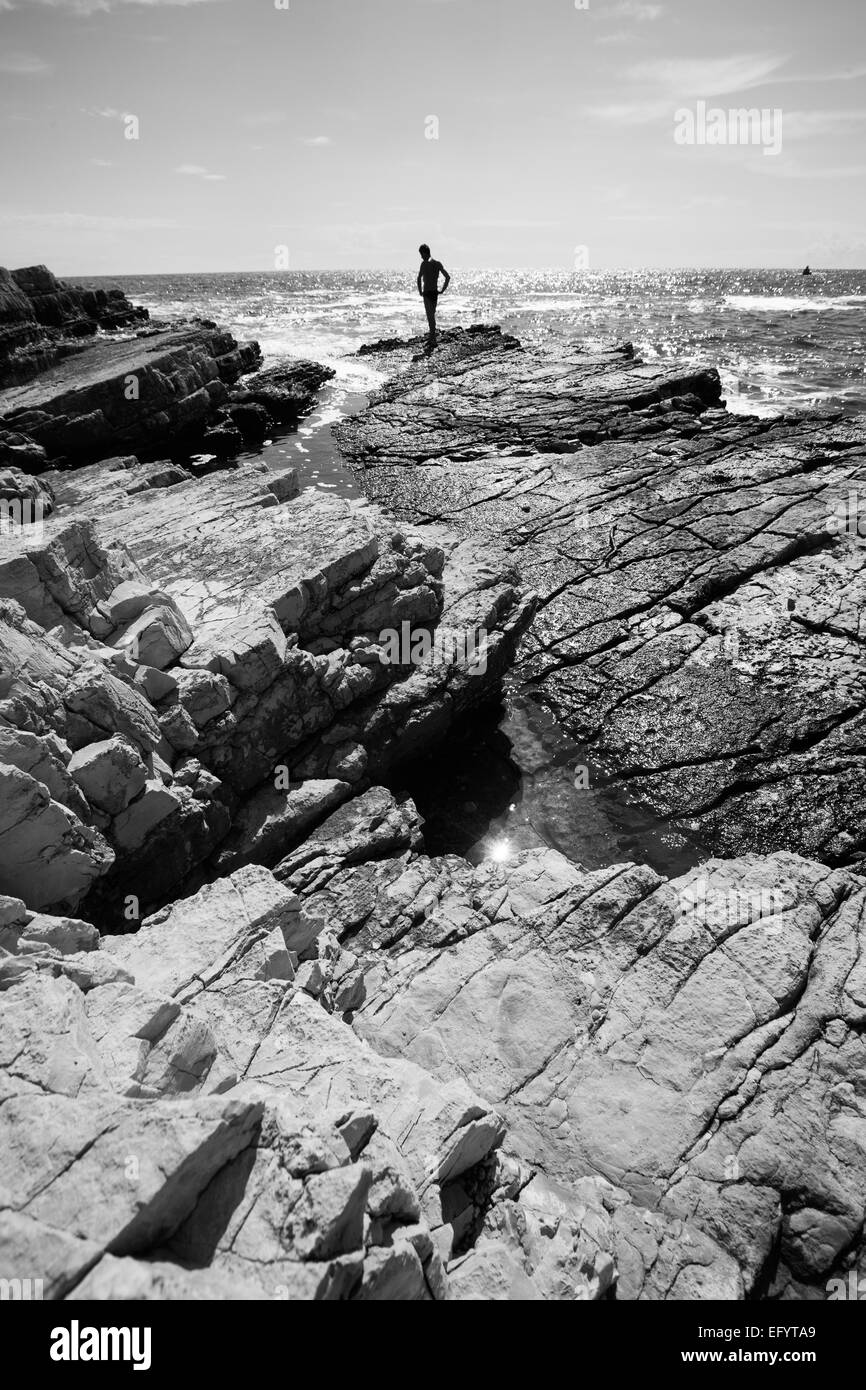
{"x": 428, "y": 285}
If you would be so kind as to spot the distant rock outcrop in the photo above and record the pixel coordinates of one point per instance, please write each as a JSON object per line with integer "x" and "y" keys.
{"x": 68, "y": 400}
{"x": 43, "y": 319}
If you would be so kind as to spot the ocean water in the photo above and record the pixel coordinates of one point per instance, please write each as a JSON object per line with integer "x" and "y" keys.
{"x": 781, "y": 341}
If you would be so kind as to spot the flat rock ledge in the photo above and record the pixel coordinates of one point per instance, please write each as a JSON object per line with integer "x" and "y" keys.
{"x": 71, "y": 392}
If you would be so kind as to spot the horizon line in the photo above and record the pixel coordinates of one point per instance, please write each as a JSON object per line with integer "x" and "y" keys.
{"x": 466, "y": 269}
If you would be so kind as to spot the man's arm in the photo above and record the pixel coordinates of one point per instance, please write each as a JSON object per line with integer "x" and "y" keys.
{"x": 420, "y": 291}
{"x": 447, "y": 278}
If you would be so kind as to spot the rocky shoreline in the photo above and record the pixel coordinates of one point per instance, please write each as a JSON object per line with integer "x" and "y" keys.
{"x": 256, "y": 1041}
{"x": 68, "y": 396}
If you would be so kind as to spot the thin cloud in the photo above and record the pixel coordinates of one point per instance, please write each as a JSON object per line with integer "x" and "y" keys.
{"x": 833, "y": 75}
{"x": 89, "y": 7}
{"x": 705, "y": 77}
{"x": 198, "y": 171}
{"x": 85, "y": 221}
{"x": 630, "y": 112}
{"x": 682, "y": 78}
{"x": 634, "y": 13}
{"x": 791, "y": 170}
{"x": 636, "y": 10}
{"x": 639, "y": 217}
{"x": 621, "y": 36}
{"x": 317, "y": 140}
{"x": 805, "y": 125}
{"x": 507, "y": 223}
{"x": 23, "y": 64}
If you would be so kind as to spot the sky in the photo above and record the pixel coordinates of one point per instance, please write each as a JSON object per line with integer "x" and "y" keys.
{"x": 317, "y": 134}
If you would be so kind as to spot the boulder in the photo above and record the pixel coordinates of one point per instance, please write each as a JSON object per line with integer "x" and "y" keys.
{"x": 204, "y": 695}
{"x": 271, "y": 822}
{"x": 47, "y": 759}
{"x": 131, "y": 827}
{"x": 158, "y": 636}
{"x": 47, "y": 856}
{"x": 23, "y": 498}
{"x": 128, "y": 601}
{"x": 110, "y": 706}
{"x": 67, "y": 934}
{"x": 286, "y": 391}
{"x": 110, "y": 773}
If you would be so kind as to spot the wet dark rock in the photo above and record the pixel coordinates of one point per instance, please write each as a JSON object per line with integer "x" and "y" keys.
{"x": 66, "y": 402}
{"x": 28, "y": 498}
{"x": 699, "y": 630}
{"x": 42, "y": 317}
{"x": 21, "y": 451}
{"x": 252, "y": 420}
{"x": 286, "y": 391}
{"x": 136, "y": 395}
{"x": 223, "y": 439}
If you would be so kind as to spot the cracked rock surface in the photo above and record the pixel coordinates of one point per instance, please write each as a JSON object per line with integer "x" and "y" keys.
{"x": 696, "y": 1042}
{"x": 701, "y": 583}
{"x": 255, "y": 1041}
{"x": 187, "y": 1112}
{"x": 193, "y": 673}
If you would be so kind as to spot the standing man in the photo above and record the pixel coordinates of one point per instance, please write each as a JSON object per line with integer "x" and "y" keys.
{"x": 428, "y": 286}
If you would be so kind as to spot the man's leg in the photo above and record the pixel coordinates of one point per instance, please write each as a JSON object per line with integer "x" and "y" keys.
{"x": 430, "y": 306}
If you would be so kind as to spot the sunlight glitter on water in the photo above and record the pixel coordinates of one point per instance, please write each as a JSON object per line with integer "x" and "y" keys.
{"x": 790, "y": 344}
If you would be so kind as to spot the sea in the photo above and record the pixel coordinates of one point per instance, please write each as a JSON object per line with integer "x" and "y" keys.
{"x": 782, "y": 342}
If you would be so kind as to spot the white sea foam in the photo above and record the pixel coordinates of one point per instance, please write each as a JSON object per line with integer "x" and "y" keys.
{"x": 792, "y": 304}
{"x": 780, "y": 342}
